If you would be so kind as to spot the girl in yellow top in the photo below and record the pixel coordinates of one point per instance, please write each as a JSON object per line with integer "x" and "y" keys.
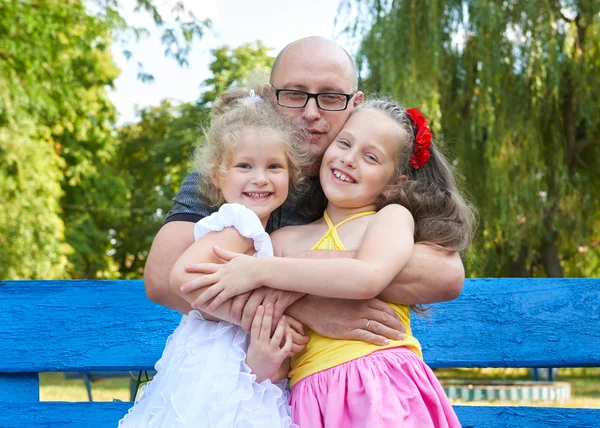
{"x": 387, "y": 186}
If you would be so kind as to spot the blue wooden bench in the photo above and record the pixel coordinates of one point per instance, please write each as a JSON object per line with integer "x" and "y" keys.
{"x": 86, "y": 326}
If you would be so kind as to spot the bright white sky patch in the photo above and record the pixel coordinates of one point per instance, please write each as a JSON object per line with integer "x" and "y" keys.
{"x": 235, "y": 22}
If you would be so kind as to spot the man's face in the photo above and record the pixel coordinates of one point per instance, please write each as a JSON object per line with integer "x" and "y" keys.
{"x": 316, "y": 69}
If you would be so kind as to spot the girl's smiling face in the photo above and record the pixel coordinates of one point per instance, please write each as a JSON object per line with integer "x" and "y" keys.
{"x": 362, "y": 160}
{"x": 257, "y": 176}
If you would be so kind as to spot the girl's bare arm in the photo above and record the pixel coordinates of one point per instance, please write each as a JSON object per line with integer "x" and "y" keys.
{"x": 201, "y": 251}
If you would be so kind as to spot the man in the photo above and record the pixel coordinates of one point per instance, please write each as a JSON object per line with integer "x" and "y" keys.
{"x": 308, "y": 67}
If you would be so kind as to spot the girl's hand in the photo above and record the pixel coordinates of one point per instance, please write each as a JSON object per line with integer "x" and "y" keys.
{"x": 266, "y": 353}
{"x": 239, "y": 275}
{"x": 295, "y": 328}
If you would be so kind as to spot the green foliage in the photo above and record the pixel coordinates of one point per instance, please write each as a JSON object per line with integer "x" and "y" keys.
{"x": 153, "y": 159}
{"x": 58, "y": 181}
{"x": 513, "y": 88}
{"x": 232, "y": 66}
{"x": 55, "y": 118}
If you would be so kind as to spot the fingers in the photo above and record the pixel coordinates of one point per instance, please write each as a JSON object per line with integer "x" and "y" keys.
{"x": 257, "y": 324}
{"x": 203, "y": 268}
{"x": 380, "y": 329}
{"x": 192, "y": 285}
{"x": 381, "y": 306}
{"x": 203, "y": 281}
{"x": 298, "y": 340}
{"x": 219, "y": 299}
{"x": 367, "y": 336}
{"x": 265, "y": 330}
{"x": 295, "y": 325}
{"x": 385, "y": 315}
{"x": 271, "y": 299}
{"x": 225, "y": 254}
{"x": 237, "y": 307}
{"x": 208, "y": 294}
{"x": 256, "y": 298}
{"x": 278, "y": 334}
{"x": 286, "y": 349}
{"x": 298, "y": 343}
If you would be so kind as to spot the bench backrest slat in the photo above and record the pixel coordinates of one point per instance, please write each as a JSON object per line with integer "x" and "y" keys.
{"x": 80, "y": 326}
{"x": 515, "y": 323}
{"x": 19, "y": 387}
{"x": 100, "y": 415}
{"x": 51, "y": 415}
{"x": 526, "y": 417}
{"x": 110, "y": 325}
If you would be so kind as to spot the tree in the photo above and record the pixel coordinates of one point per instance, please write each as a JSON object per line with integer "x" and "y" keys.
{"x": 153, "y": 159}
{"x": 57, "y": 136}
{"x": 233, "y": 66}
{"x": 54, "y": 67}
{"x": 514, "y": 89}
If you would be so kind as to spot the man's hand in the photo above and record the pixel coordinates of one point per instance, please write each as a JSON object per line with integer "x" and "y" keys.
{"x": 243, "y": 307}
{"x": 370, "y": 321}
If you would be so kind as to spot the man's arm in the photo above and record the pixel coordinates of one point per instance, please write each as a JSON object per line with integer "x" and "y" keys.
{"x": 432, "y": 275}
{"x": 172, "y": 240}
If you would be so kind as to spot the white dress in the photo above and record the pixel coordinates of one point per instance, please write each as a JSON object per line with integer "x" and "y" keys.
{"x": 202, "y": 377}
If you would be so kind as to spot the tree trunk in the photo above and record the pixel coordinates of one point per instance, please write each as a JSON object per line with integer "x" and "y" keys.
{"x": 551, "y": 260}
{"x": 518, "y": 268}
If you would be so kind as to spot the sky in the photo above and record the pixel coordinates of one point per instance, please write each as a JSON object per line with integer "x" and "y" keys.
{"x": 235, "y": 22}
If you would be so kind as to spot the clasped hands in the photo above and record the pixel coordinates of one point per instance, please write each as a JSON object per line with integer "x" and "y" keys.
{"x": 369, "y": 320}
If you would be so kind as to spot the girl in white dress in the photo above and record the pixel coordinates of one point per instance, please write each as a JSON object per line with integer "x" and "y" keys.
{"x": 212, "y": 373}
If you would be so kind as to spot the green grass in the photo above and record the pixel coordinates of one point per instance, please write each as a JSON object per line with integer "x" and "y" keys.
{"x": 585, "y": 385}
{"x": 54, "y": 387}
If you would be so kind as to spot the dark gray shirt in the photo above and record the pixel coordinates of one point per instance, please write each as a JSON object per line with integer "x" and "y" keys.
{"x": 191, "y": 205}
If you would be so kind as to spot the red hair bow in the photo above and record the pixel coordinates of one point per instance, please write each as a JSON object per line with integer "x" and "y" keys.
{"x": 423, "y": 138}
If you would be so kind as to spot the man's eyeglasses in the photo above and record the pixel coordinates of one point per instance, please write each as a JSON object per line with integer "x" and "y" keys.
{"x": 329, "y": 101}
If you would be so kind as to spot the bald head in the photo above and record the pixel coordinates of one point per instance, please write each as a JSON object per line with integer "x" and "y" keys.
{"x": 316, "y": 65}
{"x": 316, "y": 47}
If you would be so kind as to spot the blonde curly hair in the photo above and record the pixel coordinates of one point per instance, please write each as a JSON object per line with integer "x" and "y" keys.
{"x": 234, "y": 114}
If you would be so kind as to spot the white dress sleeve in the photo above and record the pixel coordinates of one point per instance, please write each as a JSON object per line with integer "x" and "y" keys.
{"x": 244, "y": 220}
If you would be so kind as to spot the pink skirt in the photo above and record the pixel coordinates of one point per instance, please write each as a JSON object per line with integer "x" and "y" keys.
{"x": 389, "y": 388}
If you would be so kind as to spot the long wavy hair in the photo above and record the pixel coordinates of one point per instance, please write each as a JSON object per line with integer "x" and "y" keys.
{"x": 443, "y": 217}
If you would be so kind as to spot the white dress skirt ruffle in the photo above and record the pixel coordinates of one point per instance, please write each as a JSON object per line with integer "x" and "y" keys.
{"x": 202, "y": 378}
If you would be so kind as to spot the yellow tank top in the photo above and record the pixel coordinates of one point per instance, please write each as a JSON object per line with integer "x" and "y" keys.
{"x": 322, "y": 352}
